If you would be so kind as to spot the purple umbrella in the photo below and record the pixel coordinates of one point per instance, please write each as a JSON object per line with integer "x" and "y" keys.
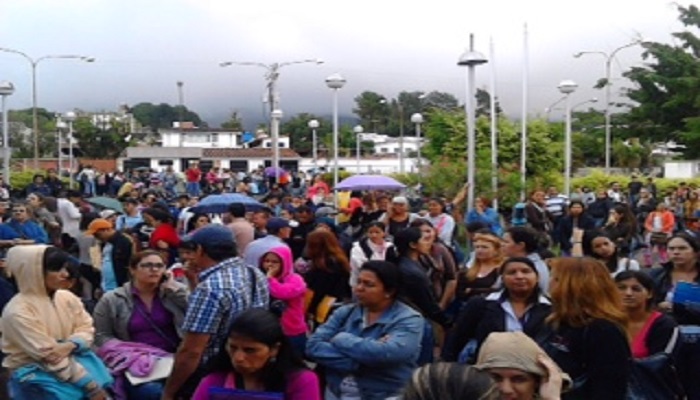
{"x": 370, "y": 182}
{"x": 274, "y": 171}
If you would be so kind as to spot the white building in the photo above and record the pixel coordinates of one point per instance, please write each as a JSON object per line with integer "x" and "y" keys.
{"x": 210, "y": 138}
{"x": 384, "y": 144}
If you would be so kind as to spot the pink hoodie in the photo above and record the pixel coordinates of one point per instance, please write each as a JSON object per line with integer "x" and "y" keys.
{"x": 290, "y": 288}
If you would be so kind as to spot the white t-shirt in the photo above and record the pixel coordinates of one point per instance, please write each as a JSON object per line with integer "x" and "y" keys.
{"x": 70, "y": 217}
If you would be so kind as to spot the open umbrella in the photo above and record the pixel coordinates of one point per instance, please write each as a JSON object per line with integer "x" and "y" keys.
{"x": 218, "y": 203}
{"x": 102, "y": 202}
{"x": 274, "y": 171}
{"x": 370, "y": 182}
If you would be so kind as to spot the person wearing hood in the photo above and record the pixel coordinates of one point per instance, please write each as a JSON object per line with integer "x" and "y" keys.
{"x": 287, "y": 292}
{"x": 45, "y": 327}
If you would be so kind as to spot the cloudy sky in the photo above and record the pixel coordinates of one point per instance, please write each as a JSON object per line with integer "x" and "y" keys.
{"x": 142, "y": 48}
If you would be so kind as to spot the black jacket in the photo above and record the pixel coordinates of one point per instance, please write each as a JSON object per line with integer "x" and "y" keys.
{"x": 662, "y": 284}
{"x": 565, "y": 229}
{"x": 416, "y": 290}
{"x": 485, "y": 315}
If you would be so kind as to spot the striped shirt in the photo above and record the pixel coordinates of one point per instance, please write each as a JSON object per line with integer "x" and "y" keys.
{"x": 556, "y": 205}
{"x": 224, "y": 291}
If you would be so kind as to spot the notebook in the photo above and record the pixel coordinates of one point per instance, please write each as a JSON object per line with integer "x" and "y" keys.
{"x": 236, "y": 394}
{"x": 161, "y": 370}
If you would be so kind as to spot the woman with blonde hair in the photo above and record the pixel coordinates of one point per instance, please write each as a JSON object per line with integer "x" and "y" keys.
{"x": 590, "y": 341}
{"x": 481, "y": 277}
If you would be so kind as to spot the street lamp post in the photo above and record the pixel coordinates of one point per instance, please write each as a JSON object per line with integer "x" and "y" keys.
{"x": 567, "y": 87}
{"x": 609, "y": 57}
{"x": 313, "y": 125}
{"x": 335, "y": 82}
{"x": 70, "y": 118}
{"x": 471, "y": 59}
{"x": 358, "y": 141}
{"x": 34, "y": 62}
{"x": 276, "y": 117}
{"x": 6, "y": 89}
{"x": 417, "y": 119}
{"x": 272, "y": 96}
{"x": 60, "y": 126}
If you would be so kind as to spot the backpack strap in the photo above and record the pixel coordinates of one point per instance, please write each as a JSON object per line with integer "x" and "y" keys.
{"x": 365, "y": 248}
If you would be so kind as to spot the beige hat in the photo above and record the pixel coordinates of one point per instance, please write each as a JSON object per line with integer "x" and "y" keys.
{"x": 514, "y": 350}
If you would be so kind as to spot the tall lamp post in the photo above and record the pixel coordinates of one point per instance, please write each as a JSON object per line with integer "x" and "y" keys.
{"x": 6, "y": 89}
{"x": 276, "y": 116}
{"x": 471, "y": 59}
{"x": 609, "y": 57}
{"x": 335, "y": 82}
{"x": 567, "y": 87}
{"x": 417, "y": 119}
{"x": 34, "y": 62}
{"x": 358, "y": 141}
{"x": 313, "y": 125}
{"x": 271, "y": 75}
{"x": 70, "y": 118}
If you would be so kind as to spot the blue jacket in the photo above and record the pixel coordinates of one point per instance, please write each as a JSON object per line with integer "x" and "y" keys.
{"x": 489, "y": 217}
{"x": 381, "y": 356}
{"x": 29, "y": 230}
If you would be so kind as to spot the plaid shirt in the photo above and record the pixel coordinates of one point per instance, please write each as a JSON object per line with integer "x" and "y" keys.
{"x": 224, "y": 290}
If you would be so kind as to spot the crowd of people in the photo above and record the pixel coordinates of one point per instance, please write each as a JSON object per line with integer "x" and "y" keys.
{"x": 375, "y": 299}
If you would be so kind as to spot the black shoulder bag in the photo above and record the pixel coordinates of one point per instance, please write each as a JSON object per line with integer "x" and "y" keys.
{"x": 655, "y": 377}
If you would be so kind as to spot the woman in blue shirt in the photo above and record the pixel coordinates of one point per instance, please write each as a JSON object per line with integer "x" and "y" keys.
{"x": 24, "y": 226}
{"x": 483, "y": 213}
{"x": 369, "y": 349}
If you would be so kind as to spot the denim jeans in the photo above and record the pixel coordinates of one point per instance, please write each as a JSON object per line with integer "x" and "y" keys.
{"x": 193, "y": 188}
{"x": 145, "y": 391}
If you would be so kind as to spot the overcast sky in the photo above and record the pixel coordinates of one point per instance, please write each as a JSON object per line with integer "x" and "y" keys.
{"x": 144, "y": 47}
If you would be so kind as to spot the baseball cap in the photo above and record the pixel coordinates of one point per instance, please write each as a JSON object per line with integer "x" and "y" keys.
{"x": 97, "y": 225}
{"x": 274, "y": 224}
{"x": 104, "y": 214}
{"x": 325, "y": 211}
{"x": 211, "y": 235}
{"x": 400, "y": 200}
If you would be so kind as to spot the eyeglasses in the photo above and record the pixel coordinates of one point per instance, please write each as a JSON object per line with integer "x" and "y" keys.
{"x": 152, "y": 265}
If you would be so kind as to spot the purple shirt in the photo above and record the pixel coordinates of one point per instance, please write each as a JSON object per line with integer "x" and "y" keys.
{"x": 142, "y": 331}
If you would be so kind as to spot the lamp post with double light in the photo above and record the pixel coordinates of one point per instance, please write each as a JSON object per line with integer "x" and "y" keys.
{"x": 609, "y": 57}
{"x": 271, "y": 76}
{"x": 335, "y": 82}
{"x": 34, "y": 62}
{"x": 567, "y": 87}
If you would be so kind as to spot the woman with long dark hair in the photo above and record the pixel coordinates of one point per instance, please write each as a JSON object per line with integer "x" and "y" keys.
{"x": 621, "y": 226}
{"x": 520, "y": 306}
{"x": 439, "y": 263}
{"x": 258, "y": 357}
{"x": 597, "y": 244}
{"x": 373, "y": 246}
{"x": 329, "y": 274}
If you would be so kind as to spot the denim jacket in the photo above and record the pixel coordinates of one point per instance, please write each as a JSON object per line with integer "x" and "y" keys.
{"x": 381, "y": 356}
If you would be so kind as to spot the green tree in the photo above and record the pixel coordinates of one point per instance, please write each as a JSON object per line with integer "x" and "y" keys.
{"x": 234, "y": 122}
{"x": 483, "y": 104}
{"x": 301, "y": 136}
{"x": 440, "y": 100}
{"x": 21, "y": 139}
{"x": 373, "y": 110}
{"x": 667, "y": 89}
{"x": 101, "y": 142}
{"x": 163, "y": 115}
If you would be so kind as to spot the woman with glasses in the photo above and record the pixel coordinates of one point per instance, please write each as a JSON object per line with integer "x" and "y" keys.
{"x": 145, "y": 313}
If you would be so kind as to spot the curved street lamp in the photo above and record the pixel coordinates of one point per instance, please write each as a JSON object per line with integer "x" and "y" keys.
{"x": 70, "y": 117}
{"x": 34, "y": 62}
{"x": 609, "y": 57}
